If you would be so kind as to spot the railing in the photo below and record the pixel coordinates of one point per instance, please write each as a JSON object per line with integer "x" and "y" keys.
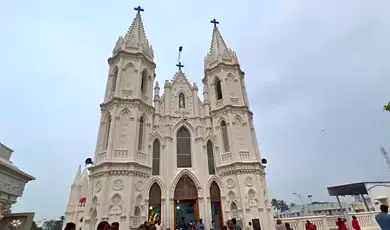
{"x": 366, "y": 221}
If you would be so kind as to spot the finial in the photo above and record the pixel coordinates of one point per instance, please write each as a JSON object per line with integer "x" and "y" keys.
{"x": 139, "y": 9}
{"x": 215, "y": 22}
{"x": 178, "y": 59}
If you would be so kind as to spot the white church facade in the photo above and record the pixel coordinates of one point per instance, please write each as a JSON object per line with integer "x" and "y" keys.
{"x": 173, "y": 157}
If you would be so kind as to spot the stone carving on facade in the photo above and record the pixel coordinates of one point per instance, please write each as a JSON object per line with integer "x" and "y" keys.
{"x": 139, "y": 186}
{"x": 115, "y": 208}
{"x": 98, "y": 186}
{"x": 11, "y": 185}
{"x": 117, "y": 184}
{"x": 124, "y": 130}
{"x": 248, "y": 181}
{"x": 230, "y": 183}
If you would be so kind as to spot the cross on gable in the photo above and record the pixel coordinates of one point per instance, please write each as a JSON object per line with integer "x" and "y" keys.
{"x": 215, "y": 22}
{"x": 139, "y": 9}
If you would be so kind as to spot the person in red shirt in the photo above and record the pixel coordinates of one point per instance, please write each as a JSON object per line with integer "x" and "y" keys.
{"x": 355, "y": 223}
{"x": 310, "y": 226}
{"x": 340, "y": 222}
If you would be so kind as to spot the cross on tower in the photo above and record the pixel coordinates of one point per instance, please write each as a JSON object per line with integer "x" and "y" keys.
{"x": 139, "y": 9}
{"x": 180, "y": 65}
{"x": 215, "y": 22}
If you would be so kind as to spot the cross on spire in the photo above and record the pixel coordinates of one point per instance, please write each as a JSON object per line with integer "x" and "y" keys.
{"x": 180, "y": 65}
{"x": 215, "y": 22}
{"x": 139, "y": 9}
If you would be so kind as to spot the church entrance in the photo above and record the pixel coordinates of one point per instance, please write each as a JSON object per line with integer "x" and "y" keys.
{"x": 186, "y": 208}
{"x": 216, "y": 208}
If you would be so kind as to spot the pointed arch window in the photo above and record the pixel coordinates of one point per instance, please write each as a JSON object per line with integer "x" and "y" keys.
{"x": 144, "y": 81}
{"x": 155, "y": 203}
{"x": 210, "y": 158}
{"x": 183, "y": 148}
{"x": 225, "y": 138}
{"x": 141, "y": 133}
{"x": 182, "y": 101}
{"x": 218, "y": 88}
{"x": 114, "y": 80}
{"x": 156, "y": 158}
{"x": 106, "y": 133}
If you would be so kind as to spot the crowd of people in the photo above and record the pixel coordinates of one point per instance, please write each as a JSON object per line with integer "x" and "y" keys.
{"x": 340, "y": 223}
{"x": 104, "y": 225}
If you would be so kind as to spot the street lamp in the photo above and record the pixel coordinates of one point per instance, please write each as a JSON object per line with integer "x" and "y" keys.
{"x": 311, "y": 203}
{"x": 303, "y": 205}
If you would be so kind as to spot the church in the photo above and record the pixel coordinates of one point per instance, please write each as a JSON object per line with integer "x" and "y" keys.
{"x": 170, "y": 156}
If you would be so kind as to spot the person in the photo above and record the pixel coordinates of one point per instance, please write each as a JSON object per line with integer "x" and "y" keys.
{"x": 249, "y": 227}
{"x": 212, "y": 225}
{"x": 288, "y": 227}
{"x": 200, "y": 225}
{"x": 382, "y": 218}
{"x": 231, "y": 225}
{"x": 158, "y": 226}
{"x": 70, "y": 226}
{"x": 355, "y": 223}
{"x": 340, "y": 222}
{"x": 104, "y": 225}
{"x": 115, "y": 226}
{"x": 310, "y": 226}
{"x": 280, "y": 225}
{"x": 236, "y": 227}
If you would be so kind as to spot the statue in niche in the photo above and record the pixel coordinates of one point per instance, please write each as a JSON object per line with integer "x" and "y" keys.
{"x": 182, "y": 103}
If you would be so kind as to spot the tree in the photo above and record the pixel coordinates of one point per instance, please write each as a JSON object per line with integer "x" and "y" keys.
{"x": 387, "y": 107}
{"x": 292, "y": 205}
{"x": 280, "y": 205}
{"x": 34, "y": 226}
{"x": 53, "y": 224}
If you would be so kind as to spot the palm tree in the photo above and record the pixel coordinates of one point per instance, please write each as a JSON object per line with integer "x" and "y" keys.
{"x": 387, "y": 107}
{"x": 275, "y": 203}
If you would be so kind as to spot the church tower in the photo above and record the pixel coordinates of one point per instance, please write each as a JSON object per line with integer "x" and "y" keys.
{"x": 126, "y": 118}
{"x": 226, "y": 102}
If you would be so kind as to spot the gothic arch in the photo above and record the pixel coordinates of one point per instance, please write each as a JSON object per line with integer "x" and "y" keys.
{"x": 183, "y": 123}
{"x": 218, "y": 88}
{"x": 215, "y": 179}
{"x": 220, "y": 121}
{"x": 114, "y": 68}
{"x": 156, "y": 135}
{"x": 144, "y": 83}
{"x": 239, "y": 118}
{"x": 124, "y": 111}
{"x": 190, "y": 175}
{"x": 209, "y": 137}
{"x": 159, "y": 182}
{"x": 129, "y": 65}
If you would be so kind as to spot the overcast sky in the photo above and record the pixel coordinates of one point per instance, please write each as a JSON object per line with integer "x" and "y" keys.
{"x": 309, "y": 65}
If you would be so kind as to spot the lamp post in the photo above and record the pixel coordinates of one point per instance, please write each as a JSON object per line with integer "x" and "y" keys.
{"x": 303, "y": 205}
{"x": 311, "y": 203}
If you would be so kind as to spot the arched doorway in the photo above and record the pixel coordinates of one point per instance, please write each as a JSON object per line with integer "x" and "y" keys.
{"x": 216, "y": 208}
{"x": 186, "y": 208}
{"x": 154, "y": 204}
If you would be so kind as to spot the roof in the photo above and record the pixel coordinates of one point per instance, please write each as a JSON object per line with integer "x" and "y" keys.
{"x": 351, "y": 189}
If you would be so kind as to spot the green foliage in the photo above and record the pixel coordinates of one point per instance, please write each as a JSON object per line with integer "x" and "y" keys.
{"x": 280, "y": 205}
{"x": 387, "y": 107}
{"x": 292, "y": 205}
{"x": 53, "y": 224}
{"x": 34, "y": 226}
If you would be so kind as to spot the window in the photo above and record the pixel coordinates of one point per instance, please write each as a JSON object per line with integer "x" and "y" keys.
{"x": 144, "y": 81}
{"x": 225, "y": 138}
{"x": 114, "y": 79}
{"x": 182, "y": 101}
{"x": 156, "y": 158}
{"x": 141, "y": 134}
{"x": 183, "y": 148}
{"x": 107, "y": 133}
{"x": 210, "y": 158}
{"x": 218, "y": 88}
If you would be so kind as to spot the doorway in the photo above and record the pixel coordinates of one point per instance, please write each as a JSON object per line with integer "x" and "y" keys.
{"x": 216, "y": 209}
{"x": 186, "y": 209}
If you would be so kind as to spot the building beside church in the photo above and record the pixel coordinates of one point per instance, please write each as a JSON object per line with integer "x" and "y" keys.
{"x": 172, "y": 157}
{"x": 12, "y": 182}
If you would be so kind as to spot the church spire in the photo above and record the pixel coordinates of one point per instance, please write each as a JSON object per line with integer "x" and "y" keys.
{"x": 135, "y": 40}
{"x": 78, "y": 176}
{"x": 219, "y": 52}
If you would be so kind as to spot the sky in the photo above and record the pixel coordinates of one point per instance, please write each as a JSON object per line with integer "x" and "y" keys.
{"x": 309, "y": 65}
